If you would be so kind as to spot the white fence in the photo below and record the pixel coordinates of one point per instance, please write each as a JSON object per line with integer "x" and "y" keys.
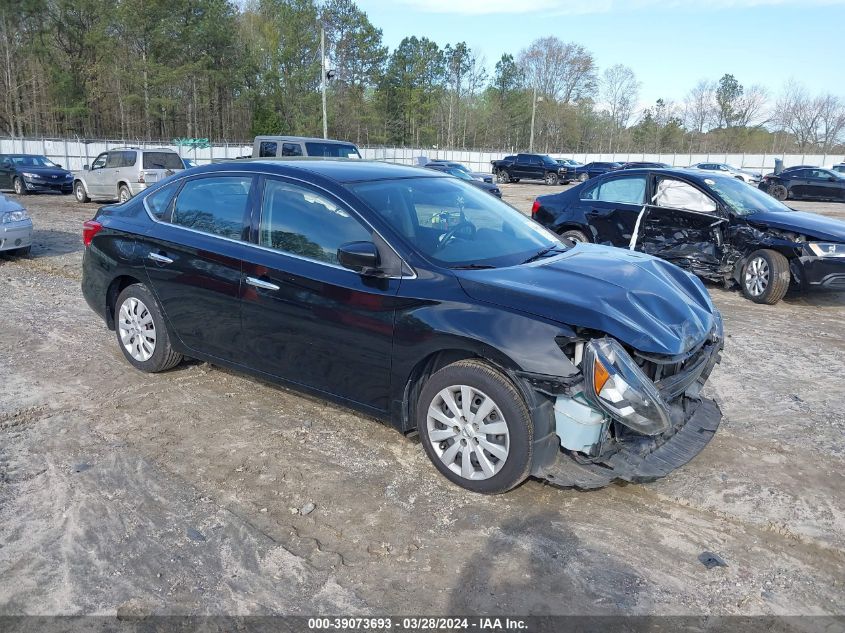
{"x": 74, "y": 153}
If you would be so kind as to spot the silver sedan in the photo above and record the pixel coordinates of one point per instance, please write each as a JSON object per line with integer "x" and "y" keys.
{"x": 15, "y": 228}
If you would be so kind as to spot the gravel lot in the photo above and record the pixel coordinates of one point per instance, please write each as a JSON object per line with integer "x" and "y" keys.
{"x": 181, "y": 492}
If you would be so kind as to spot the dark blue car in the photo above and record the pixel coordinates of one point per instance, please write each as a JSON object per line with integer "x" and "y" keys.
{"x": 591, "y": 170}
{"x": 32, "y": 173}
{"x": 715, "y": 226}
{"x": 421, "y": 300}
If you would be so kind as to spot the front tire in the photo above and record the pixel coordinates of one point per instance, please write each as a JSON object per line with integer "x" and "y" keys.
{"x": 19, "y": 187}
{"x": 579, "y": 237}
{"x": 141, "y": 333}
{"x": 79, "y": 192}
{"x": 551, "y": 179}
{"x": 765, "y": 277}
{"x": 475, "y": 427}
{"x": 502, "y": 177}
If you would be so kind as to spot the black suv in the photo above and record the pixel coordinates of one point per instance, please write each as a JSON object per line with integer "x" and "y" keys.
{"x": 419, "y": 299}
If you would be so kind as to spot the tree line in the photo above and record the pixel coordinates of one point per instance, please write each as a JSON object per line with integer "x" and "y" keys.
{"x": 227, "y": 70}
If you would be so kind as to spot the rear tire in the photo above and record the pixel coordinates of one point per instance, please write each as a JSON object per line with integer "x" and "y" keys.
{"x": 578, "y": 237}
{"x": 123, "y": 194}
{"x": 141, "y": 332}
{"x": 19, "y": 187}
{"x": 79, "y": 192}
{"x": 583, "y": 177}
{"x": 779, "y": 192}
{"x": 505, "y": 416}
{"x": 765, "y": 277}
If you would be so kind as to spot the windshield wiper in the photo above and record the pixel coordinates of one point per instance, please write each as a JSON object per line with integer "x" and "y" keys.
{"x": 544, "y": 252}
{"x": 473, "y": 267}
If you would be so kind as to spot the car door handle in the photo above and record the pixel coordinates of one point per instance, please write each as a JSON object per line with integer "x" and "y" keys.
{"x": 258, "y": 283}
{"x": 161, "y": 259}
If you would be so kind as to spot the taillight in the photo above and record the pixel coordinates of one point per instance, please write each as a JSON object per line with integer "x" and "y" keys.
{"x": 89, "y": 229}
{"x": 535, "y": 207}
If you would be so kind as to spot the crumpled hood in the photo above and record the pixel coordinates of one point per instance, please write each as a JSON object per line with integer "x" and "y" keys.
{"x": 643, "y": 301}
{"x": 810, "y": 224}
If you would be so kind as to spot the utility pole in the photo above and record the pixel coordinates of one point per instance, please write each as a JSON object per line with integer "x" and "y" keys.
{"x": 323, "y": 79}
{"x": 533, "y": 114}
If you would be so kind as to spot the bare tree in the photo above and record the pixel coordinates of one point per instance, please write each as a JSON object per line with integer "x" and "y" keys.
{"x": 560, "y": 71}
{"x": 619, "y": 91}
{"x": 813, "y": 122}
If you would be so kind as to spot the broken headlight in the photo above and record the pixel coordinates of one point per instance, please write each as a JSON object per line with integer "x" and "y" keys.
{"x": 826, "y": 249}
{"x": 616, "y": 384}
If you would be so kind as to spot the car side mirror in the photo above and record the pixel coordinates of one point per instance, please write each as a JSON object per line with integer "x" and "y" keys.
{"x": 362, "y": 257}
{"x": 59, "y": 165}
{"x": 86, "y": 167}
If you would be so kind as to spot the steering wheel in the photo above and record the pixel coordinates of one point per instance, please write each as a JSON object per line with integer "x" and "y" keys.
{"x": 450, "y": 234}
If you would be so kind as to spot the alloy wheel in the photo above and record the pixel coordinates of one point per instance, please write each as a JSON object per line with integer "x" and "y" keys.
{"x": 757, "y": 276}
{"x": 123, "y": 195}
{"x": 18, "y": 186}
{"x": 468, "y": 432}
{"x": 80, "y": 192}
{"x": 137, "y": 329}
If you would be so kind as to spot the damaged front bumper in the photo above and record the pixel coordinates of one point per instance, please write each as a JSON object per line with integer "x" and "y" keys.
{"x": 639, "y": 458}
{"x": 818, "y": 273}
{"x": 600, "y": 442}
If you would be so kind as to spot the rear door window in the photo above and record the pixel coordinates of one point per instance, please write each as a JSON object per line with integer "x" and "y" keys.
{"x": 215, "y": 205}
{"x": 630, "y": 190}
{"x": 128, "y": 158}
{"x": 162, "y": 160}
{"x": 300, "y": 222}
{"x": 332, "y": 150}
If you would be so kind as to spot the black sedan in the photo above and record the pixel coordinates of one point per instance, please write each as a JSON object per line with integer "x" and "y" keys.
{"x": 591, "y": 170}
{"x": 463, "y": 174}
{"x": 421, "y": 300}
{"x": 712, "y": 225}
{"x": 31, "y": 173}
{"x": 807, "y": 183}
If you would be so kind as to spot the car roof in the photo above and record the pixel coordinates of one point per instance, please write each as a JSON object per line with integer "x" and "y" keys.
{"x": 698, "y": 176}
{"x": 304, "y": 139}
{"x": 341, "y": 170}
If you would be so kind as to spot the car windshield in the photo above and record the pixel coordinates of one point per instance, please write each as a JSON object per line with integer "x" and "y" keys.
{"x": 162, "y": 160}
{"x": 742, "y": 198}
{"x": 332, "y": 150}
{"x": 456, "y": 225}
{"x": 459, "y": 173}
{"x": 32, "y": 161}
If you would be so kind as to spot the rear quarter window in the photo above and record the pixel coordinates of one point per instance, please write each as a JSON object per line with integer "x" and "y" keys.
{"x": 158, "y": 201}
{"x": 213, "y": 205}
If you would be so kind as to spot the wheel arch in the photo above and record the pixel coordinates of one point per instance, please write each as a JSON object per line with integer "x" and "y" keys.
{"x": 571, "y": 225}
{"x": 117, "y": 285}
{"x": 436, "y": 360}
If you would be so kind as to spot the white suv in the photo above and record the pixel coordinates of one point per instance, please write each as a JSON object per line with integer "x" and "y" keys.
{"x": 123, "y": 172}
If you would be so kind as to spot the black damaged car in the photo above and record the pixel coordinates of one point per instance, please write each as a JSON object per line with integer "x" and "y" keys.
{"x": 715, "y": 226}
{"x": 420, "y": 300}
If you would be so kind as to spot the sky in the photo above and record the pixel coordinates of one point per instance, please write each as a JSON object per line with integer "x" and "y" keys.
{"x": 669, "y": 44}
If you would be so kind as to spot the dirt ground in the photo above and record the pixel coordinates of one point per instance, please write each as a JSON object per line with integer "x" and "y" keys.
{"x": 180, "y": 493}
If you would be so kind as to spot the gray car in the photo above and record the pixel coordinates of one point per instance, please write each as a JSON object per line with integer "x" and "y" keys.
{"x": 15, "y": 228}
{"x": 123, "y": 172}
{"x": 750, "y": 177}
